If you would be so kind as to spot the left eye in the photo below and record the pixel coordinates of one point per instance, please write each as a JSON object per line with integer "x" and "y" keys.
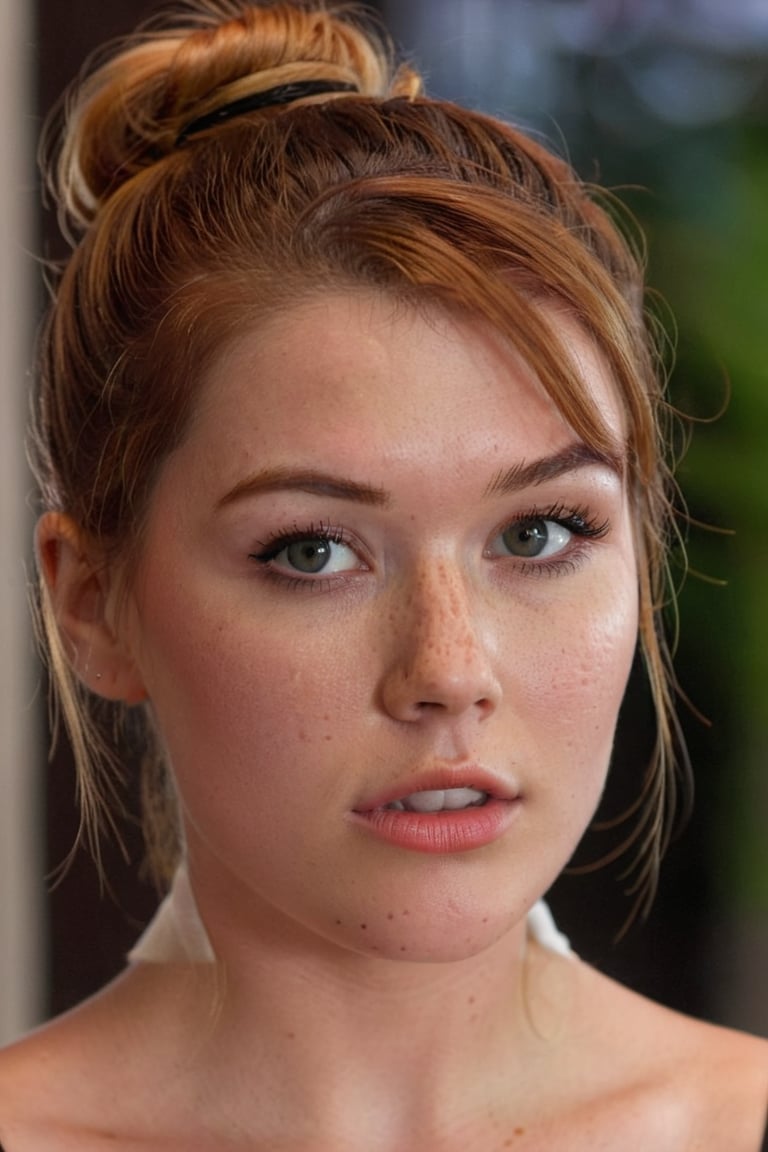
{"x": 534, "y": 539}
{"x": 311, "y": 555}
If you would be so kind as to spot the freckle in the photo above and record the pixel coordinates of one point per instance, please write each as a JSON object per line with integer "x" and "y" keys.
{"x": 338, "y": 922}
{"x": 406, "y": 912}
{"x": 290, "y": 1035}
{"x": 302, "y": 735}
{"x": 327, "y": 716}
{"x": 390, "y": 915}
{"x": 485, "y": 919}
{"x": 471, "y": 1000}
{"x": 363, "y": 926}
{"x": 329, "y": 737}
{"x": 403, "y": 948}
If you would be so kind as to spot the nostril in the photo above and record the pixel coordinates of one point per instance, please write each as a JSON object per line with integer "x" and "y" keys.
{"x": 453, "y": 702}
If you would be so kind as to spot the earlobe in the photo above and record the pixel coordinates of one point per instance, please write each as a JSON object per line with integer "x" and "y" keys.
{"x": 79, "y": 589}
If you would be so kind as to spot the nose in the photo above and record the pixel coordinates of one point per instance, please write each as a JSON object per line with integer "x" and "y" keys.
{"x": 441, "y": 660}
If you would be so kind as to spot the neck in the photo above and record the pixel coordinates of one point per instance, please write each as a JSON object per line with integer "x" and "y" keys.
{"x": 342, "y": 1039}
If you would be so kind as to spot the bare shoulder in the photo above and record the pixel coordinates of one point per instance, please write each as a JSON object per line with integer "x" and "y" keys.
{"x": 726, "y": 1079}
{"x": 47, "y": 1076}
{"x": 729, "y": 1076}
{"x": 707, "y": 1082}
{"x": 33, "y": 1086}
{"x": 61, "y": 1084}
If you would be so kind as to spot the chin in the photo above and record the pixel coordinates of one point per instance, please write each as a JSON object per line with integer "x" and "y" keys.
{"x": 431, "y": 935}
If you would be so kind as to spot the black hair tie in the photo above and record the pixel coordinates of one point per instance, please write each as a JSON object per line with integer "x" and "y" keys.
{"x": 282, "y": 94}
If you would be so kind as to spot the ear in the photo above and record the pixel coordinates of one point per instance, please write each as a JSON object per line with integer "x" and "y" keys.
{"x": 83, "y": 601}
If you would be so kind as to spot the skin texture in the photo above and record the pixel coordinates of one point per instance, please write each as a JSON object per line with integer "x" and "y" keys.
{"x": 368, "y": 995}
{"x": 423, "y": 651}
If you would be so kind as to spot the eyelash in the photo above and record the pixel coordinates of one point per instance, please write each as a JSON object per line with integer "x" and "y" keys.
{"x": 269, "y": 549}
{"x": 578, "y": 521}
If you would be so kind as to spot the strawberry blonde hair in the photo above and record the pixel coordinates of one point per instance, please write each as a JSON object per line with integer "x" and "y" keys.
{"x": 179, "y": 241}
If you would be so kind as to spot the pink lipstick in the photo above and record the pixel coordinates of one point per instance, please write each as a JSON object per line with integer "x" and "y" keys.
{"x": 442, "y": 812}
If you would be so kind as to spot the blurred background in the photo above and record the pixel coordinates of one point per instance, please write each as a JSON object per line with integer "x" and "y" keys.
{"x": 666, "y": 102}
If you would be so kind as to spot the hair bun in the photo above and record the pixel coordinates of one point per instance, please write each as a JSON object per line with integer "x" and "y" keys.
{"x": 129, "y": 111}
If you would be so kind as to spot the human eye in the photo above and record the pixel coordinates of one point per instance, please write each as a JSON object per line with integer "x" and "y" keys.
{"x": 547, "y": 539}
{"x": 305, "y": 553}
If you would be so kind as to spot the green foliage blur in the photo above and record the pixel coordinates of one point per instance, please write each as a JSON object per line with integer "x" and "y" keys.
{"x": 700, "y": 195}
{"x": 710, "y": 259}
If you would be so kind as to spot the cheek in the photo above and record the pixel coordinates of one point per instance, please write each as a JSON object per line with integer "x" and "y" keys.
{"x": 233, "y": 688}
{"x": 602, "y": 658}
{"x": 573, "y": 703}
{"x": 579, "y": 679}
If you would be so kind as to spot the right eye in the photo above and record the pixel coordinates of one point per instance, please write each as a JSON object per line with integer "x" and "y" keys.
{"x": 307, "y": 554}
{"x": 316, "y": 554}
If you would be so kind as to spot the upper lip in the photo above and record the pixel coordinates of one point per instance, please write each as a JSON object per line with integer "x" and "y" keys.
{"x": 440, "y": 778}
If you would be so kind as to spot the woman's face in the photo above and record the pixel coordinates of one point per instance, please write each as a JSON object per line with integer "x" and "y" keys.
{"x": 385, "y": 616}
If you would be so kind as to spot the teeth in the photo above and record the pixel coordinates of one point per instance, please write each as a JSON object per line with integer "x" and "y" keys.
{"x": 463, "y": 798}
{"x": 439, "y": 800}
{"x": 425, "y": 801}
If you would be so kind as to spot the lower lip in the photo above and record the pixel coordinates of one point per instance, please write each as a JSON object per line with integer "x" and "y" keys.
{"x": 441, "y": 833}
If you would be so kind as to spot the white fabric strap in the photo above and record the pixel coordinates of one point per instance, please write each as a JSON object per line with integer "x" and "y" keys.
{"x": 176, "y": 933}
{"x": 542, "y": 929}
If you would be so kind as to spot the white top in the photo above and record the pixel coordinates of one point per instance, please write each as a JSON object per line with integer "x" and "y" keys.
{"x": 177, "y": 934}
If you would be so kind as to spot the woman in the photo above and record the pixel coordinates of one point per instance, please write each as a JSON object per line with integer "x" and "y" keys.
{"x": 349, "y": 442}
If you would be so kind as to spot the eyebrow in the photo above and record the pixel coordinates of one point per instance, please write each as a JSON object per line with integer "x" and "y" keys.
{"x": 317, "y": 483}
{"x": 569, "y": 459}
{"x": 306, "y": 480}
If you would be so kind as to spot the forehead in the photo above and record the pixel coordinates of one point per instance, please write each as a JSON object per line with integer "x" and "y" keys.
{"x": 337, "y": 359}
